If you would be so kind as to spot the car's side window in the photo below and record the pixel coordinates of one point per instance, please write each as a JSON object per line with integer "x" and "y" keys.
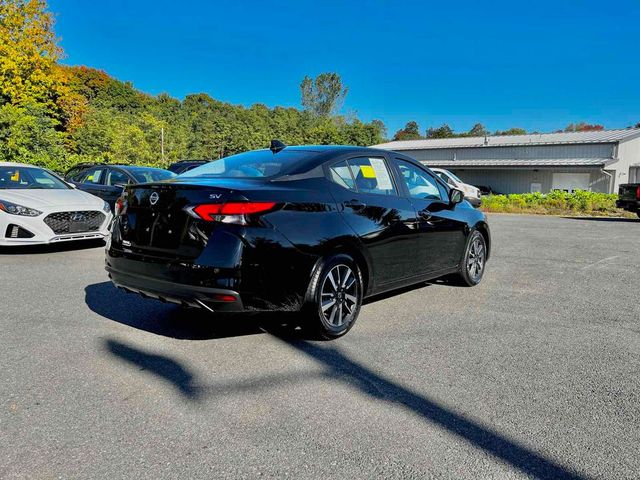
{"x": 419, "y": 183}
{"x": 341, "y": 175}
{"x": 93, "y": 175}
{"x": 371, "y": 175}
{"x": 117, "y": 177}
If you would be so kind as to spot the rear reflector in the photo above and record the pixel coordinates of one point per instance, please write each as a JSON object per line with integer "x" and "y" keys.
{"x": 208, "y": 211}
{"x": 220, "y": 297}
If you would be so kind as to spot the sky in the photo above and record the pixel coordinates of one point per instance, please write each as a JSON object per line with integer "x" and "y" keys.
{"x": 535, "y": 65}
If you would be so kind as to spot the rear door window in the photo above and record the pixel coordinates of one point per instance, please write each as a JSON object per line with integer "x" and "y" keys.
{"x": 93, "y": 175}
{"x": 341, "y": 174}
{"x": 371, "y": 175}
{"x": 117, "y": 177}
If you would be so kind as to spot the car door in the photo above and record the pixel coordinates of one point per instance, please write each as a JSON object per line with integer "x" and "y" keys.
{"x": 384, "y": 221}
{"x": 441, "y": 233}
{"x": 115, "y": 182}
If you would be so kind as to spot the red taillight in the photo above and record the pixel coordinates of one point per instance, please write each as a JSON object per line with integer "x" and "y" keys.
{"x": 210, "y": 210}
{"x": 119, "y": 207}
{"x": 638, "y": 193}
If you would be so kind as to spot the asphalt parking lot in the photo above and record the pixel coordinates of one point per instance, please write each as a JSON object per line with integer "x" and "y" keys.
{"x": 533, "y": 374}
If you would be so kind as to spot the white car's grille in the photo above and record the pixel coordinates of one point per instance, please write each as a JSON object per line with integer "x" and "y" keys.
{"x": 74, "y": 222}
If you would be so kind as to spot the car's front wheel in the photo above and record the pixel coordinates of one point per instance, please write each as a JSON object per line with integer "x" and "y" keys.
{"x": 474, "y": 261}
{"x": 334, "y": 297}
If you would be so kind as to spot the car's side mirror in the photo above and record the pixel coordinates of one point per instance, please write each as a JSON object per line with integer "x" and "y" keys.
{"x": 455, "y": 196}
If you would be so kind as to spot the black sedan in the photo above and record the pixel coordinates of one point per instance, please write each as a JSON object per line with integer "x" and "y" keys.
{"x": 108, "y": 181}
{"x": 311, "y": 229}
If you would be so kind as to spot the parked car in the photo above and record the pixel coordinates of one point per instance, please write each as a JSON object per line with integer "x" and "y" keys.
{"x": 108, "y": 181}
{"x": 313, "y": 229}
{"x": 38, "y": 207}
{"x": 185, "y": 165}
{"x": 471, "y": 193}
{"x": 629, "y": 197}
{"x": 487, "y": 190}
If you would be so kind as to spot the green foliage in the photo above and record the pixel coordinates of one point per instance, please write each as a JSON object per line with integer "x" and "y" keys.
{"x": 444, "y": 131}
{"x": 411, "y": 131}
{"x": 511, "y": 131}
{"x": 323, "y": 95}
{"x": 478, "y": 130}
{"x": 554, "y": 203}
{"x": 56, "y": 116}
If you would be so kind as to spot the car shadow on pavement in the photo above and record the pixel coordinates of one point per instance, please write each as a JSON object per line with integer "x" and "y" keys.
{"x": 51, "y": 247}
{"x": 338, "y": 367}
{"x": 171, "y": 320}
{"x": 607, "y": 219}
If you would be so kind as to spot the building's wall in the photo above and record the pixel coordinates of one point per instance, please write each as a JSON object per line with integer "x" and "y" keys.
{"x": 629, "y": 155}
{"x": 598, "y": 150}
{"x": 519, "y": 181}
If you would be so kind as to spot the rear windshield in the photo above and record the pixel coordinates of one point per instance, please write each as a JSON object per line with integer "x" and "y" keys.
{"x": 147, "y": 175}
{"x": 29, "y": 178}
{"x": 254, "y": 164}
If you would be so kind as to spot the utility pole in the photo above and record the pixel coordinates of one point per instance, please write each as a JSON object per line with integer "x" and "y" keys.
{"x": 162, "y": 142}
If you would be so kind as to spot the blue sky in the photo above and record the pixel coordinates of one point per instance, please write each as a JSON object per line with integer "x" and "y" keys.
{"x": 536, "y": 65}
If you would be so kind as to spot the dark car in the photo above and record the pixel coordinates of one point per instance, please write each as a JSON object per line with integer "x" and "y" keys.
{"x": 108, "y": 181}
{"x": 311, "y": 229}
{"x": 629, "y": 197}
{"x": 185, "y": 165}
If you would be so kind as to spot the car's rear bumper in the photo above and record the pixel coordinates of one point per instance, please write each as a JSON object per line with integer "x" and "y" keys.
{"x": 213, "y": 299}
{"x": 629, "y": 205}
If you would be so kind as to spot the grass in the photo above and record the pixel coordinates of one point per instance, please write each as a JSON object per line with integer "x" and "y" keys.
{"x": 556, "y": 203}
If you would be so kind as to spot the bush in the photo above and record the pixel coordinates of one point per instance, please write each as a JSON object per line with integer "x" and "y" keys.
{"x": 554, "y": 203}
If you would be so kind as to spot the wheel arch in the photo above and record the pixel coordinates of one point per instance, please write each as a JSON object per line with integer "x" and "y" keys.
{"x": 483, "y": 228}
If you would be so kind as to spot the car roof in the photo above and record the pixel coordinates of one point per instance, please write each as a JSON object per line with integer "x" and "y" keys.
{"x": 14, "y": 164}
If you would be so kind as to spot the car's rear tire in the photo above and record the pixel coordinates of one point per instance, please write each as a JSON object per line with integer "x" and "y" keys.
{"x": 334, "y": 298}
{"x": 638, "y": 213}
{"x": 474, "y": 260}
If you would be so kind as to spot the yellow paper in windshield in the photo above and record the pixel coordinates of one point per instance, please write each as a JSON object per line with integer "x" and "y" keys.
{"x": 367, "y": 171}
{"x": 16, "y": 176}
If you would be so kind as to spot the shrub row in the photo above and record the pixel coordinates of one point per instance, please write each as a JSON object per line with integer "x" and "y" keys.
{"x": 554, "y": 203}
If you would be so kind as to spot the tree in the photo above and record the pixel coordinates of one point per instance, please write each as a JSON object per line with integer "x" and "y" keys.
{"x": 511, "y": 131}
{"x": 444, "y": 131}
{"x": 28, "y": 54}
{"x": 583, "y": 127}
{"x": 478, "y": 130}
{"x": 323, "y": 95}
{"x": 411, "y": 131}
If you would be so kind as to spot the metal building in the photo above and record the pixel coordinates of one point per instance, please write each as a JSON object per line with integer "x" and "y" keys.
{"x": 596, "y": 161}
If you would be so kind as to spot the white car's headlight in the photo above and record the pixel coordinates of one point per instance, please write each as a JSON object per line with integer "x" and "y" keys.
{"x": 106, "y": 208}
{"x": 15, "y": 209}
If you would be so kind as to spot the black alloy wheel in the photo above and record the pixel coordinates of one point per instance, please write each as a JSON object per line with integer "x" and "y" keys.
{"x": 474, "y": 261}
{"x": 335, "y": 295}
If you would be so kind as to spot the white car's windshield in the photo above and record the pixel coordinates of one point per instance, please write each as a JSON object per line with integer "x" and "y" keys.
{"x": 454, "y": 177}
{"x": 29, "y": 178}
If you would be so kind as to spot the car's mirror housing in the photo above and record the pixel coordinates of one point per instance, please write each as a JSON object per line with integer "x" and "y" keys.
{"x": 455, "y": 196}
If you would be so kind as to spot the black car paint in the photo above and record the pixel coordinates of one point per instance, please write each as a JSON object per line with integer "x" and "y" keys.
{"x": 163, "y": 252}
{"x": 629, "y": 197}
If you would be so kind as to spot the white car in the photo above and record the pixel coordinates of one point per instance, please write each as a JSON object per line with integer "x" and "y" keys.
{"x": 38, "y": 207}
{"x": 471, "y": 193}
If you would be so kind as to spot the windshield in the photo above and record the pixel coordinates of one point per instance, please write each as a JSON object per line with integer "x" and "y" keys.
{"x": 29, "y": 178}
{"x": 447, "y": 172}
{"x": 254, "y": 164}
{"x": 148, "y": 175}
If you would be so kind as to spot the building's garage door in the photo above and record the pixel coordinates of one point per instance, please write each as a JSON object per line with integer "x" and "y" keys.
{"x": 570, "y": 182}
{"x": 634, "y": 174}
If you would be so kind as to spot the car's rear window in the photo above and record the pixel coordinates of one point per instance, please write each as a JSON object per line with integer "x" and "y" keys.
{"x": 148, "y": 175}
{"x": 254, "y": 164}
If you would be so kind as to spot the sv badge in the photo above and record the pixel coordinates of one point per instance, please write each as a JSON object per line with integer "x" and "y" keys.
{"x": 215, "y": 196}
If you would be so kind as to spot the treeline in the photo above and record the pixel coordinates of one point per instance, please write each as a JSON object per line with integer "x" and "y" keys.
{"x": 56, "y": 116}
{"x": 411, "y": 131}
